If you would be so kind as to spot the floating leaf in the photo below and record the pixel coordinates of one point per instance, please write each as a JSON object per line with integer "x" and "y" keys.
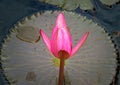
{"x": 32, "y": 64}
{"x": 28, "y": 34}
{"x": 71, "y": 4}
{"x": 109, "y": 2}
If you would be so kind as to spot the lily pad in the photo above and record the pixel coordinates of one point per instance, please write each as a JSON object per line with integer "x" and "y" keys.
{"x": 109, "y": 2}
{"x": 28, "y": 34}
{"x": 32, "y": 64}
{"x": 71, "y": 4}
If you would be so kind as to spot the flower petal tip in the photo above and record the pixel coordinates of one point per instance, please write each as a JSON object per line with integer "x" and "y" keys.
{"x": 81, "y": 42}
{"x": 40, "y": 31}
{"x": 45, "y": 39}
{"x": 60, "y": 22}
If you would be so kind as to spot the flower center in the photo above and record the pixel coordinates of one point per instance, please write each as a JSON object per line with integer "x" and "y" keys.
{"x": 63, "y": 53}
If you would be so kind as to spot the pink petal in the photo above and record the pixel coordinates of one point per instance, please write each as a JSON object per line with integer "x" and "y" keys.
{"x": 46, "y": 39}
{"x": 60, "y": 22}
{"x": 78, "y": 46}
{"x": 61, "y": 41}
{"x": 65, "y": 40}
{"x": 61, "y": 38}
{"x": 54, "y": 42}
{"x": 64, "y": 37}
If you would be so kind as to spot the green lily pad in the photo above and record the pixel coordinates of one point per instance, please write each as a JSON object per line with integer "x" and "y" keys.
{"x": 71, "y": 4}
{"x": 109, "y": 2}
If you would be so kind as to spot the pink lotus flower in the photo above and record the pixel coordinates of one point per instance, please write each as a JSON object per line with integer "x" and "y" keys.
{"x": 61, "y": 39}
